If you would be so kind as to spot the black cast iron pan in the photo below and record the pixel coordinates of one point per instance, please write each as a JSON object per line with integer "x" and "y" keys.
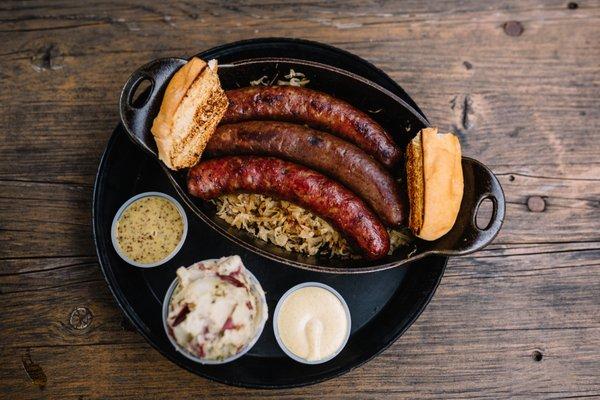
{"x": 400, "y": 119}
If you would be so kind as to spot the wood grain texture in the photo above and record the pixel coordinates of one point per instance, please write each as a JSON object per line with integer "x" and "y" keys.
{"x": 516, "y": 320}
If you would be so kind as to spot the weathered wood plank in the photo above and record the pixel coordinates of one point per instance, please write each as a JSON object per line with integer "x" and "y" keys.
{"x": 570, "y": 198}
{"x": 391, "y": 373}
{"x": 44, "y": 220}
{"x": 527, "y": 105}
{"x": 21, "y": 275}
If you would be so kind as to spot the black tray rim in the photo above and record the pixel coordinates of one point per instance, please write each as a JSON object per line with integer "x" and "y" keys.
{"x": 128, "y": 310}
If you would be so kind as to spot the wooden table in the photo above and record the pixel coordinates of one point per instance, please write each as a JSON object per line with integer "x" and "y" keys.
{"x": 520, "y": 84}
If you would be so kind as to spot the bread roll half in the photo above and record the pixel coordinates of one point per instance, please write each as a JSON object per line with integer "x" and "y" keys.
{"x": 191, "y": 109}
{"x": 435, "y": 183}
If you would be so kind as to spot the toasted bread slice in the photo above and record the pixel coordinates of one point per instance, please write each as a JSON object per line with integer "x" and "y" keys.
{"x": 192, "y": 106}
{"x": 414, "y": 175}
{"x": 435, "y": 183}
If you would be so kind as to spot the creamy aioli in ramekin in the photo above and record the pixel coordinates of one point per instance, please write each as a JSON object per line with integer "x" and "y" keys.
{"x": 312, "y": 323}
{"x": 216, "y": 310}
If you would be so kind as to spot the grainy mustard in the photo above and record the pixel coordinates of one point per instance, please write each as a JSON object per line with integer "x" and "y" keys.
{"x": 149, "y": 229}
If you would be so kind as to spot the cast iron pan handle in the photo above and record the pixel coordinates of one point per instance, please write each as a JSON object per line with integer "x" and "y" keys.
{"x": 137, "y": 115}
{"x": 465, "y": 236}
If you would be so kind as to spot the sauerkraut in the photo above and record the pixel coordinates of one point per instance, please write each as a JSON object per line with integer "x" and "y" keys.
{"x": 288, "y": 225}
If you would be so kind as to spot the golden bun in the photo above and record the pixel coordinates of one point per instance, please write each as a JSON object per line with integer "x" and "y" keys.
{"x": 435, "y": 183}
{"x": 191, "y": 108}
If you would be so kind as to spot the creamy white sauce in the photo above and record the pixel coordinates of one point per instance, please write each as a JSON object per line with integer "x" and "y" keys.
{"x": 312, "y": 323}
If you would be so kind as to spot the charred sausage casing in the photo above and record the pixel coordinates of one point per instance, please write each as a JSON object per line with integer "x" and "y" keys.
{"x": 316, "y": 109}
{"x": 321, "y": 151}
{"x": 285, "y": 180}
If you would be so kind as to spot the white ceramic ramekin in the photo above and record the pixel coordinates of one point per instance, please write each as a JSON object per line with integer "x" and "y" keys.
{"x": 264, "y": 315}
{"x": 113, "y": 230}
{"x": 276, "y": 316}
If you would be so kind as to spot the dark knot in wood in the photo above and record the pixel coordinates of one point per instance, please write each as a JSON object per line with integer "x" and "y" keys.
{"x": 572, "y": 6}
{"x": 81, "y": 318}
{"x": 537, "y": 356}
{"x": 513, "y": 28}
{"x": 536, "y": 204}
{"x": 34, "y": 371}
{"x": 48, "y": 57}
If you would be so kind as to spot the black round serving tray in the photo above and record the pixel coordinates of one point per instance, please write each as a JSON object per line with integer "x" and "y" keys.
{"x": 383, "y": 304}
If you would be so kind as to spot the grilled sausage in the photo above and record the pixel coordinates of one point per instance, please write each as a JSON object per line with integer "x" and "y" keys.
{"x": 316, "y": 109}
{"x": 272, "y": 176}
{"x": 318, "y": 150}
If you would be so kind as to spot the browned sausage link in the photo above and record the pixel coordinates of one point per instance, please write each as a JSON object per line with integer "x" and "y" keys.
{"x": 316, "y": 109}
{"x": 318, "y": 150}
{"x": 268, "y": 175}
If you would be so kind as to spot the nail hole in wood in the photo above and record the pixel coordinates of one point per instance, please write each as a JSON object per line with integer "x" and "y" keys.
{"x": 536, "y": 204}
{"x": 468, "y": 65}
{"x": 537, "y": 356}
{"x": 513, "y": 28}
{"x": 572, "y": 6}
{"x": 511, "y": 178}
